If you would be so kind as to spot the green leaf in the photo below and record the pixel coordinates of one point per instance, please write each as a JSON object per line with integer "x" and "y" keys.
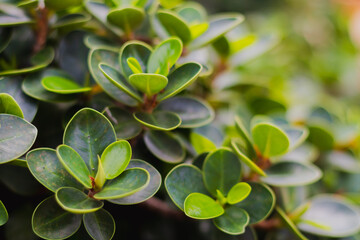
{"x": 260, "y": 203}
{"x": 109, "y": 57}
{"x": 164, "y": 56}
{"x": 321, "y": 137}
{"x": 12, "y": 86}
{"x": 242, "y": 130}
{"x": 338, "y": 217}
{"x": 62, "y": 85}
{"x": 32, "y": 87}
{"x": 286, "y": 174}
{"x": 289, "y": 224}
{"x": 71, "y": 21}
{"x": 119, "y": 81}
{"x": 179, "y": 79}
{"x": 100, "y": 178}
{"x": 62, "y": 5}
{"x": 16, "y": 137}
{"x": 200, "y": 143}
{"x": 183, "y": 180}
{"x": 9, "y": 105}
{"x": 74, "y": 164}
{"x": 127, "y": 183}
{"x": 221, "y": 171}
{"x": 50, "y": 221}
{"x": 5, "y": 37}
{"x": 201, "y": 206}
{"x": 115, "y": 158}
{"x": 126, "y": 127}
{"x": 134, "y": 49}
{"x": 75, "y": 201}
{"x": 246, "y": 160}
{"x": 128, "y": 19}
{"x": 134, "y": 65}
{"x": 218, "y": 26}
{"x": 192, "y": 111}
{"x": 11, "y": 16}
{"x": 41, "y": 60}
{"x": 296, "y": 135}
{"x": 89, "y": 133}
{"x": 170, "y": 3}
{"x": 270, "y": 140}
{"x": 47, "y": 169}
{"x": 159, "y": 120}
{"x": 343, "y": 161}
{"x": 148, "y": 83}
{"x": 233, "y": 221}
{"x": 3, "y": 214}
{"x": 147, "y": 192}
{"x": 165, "y": 146}
{"x": 238, "y": 192}
{"x": 100, "y": 225}
{"x": 174, "y": 25}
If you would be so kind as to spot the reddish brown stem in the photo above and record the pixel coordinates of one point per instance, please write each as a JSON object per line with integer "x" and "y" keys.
{"x": 41, "y": 28}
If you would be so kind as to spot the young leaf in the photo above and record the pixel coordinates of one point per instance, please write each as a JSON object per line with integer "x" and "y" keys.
{"x": 238, "y": 192}
{"x": 100, "y": 177}
{"x": 45, "y": 166}
{"x": 9, "y": 105}
{"x": 99, "y": 224}
{"x": 164, "y": 56}
{"x": 134, "y": 65}
{"x": 128, "y": 19}
{"x": 201, "y": 206}
{"x": 159, "y": 120}
{"x": 74, "y": 164}
{"x": 201, "y": 144}
{"x": 148, "y": 83}
{"x": 16, "y": 137}
{"x": 271, "y": 140}
{"x": 62, "y": 85}
{"x": 115, "y": 158}
{"x": 221, "y": 171}
{"x": 3, "y": 214}
{"x": 75, "y": 201}
{"x": 129, "y": 182}
{"x": 50, "y": 221}
{"x": 233, "y": 221}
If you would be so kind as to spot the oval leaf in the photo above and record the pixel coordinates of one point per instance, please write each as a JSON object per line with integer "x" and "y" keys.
{"x": 62, "y": 85}
{"x": 159, "y": 120}
{"x": 127, "y": 19}
{"x": 9, "y": 105}
{"x": 201, "y": 206}
{"x": 100, "y": 225}
{"x": 233, "y": 221}
{"x": 148, "y": 83}
{"x": 238, "y": 192}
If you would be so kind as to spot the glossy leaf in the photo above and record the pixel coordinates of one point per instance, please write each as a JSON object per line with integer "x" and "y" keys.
{"x": 159, "y": 120}
{"x": 218, "y": 26}
{"x": 3, "y": 214}
{"x": 192, "y": 111}
{"x": 75, "y": 201}
{"x": 221, "y": 170}
{"x": 115, "y": 158}
{"x": 89, "y": 133}
{"x": 9, "y": 105}
{"x": 100, "y": 225}
{"x": 147, "y": 192}
{"x": 62, "y": 85}
{"x": 45, "y": 166}
{"x": 120, "y": 82}
{"x": 337, "y": 217}
{"x": 179, "y": 79}
{"x": 134, "y": 65}
{"x": 164, "y": 56}
{"x": 129, "y": 182}
{"x": 134, "y": 49}
{"x": 174, "y": 25}
{"x": 286, "y": 174}
{"x": 11, "y": 16}
{"x": 270, "y": 140}
{"x": 233, "y": 221}
{"x": 74, "y": 164}
{"x": 164, "y": 146}
{"x": 109, "y": 57}
{"x": 16, "y": 137}
{"x": 201, "y": 206}
{"x": 183, "y": 180}
{"x": 260, "y": 203}
{"x": 246, "y": 160}
{"x": 148, "y": 83}
{"x": 238, "y": 192}
{"x": 126, "y": 127}
{"x": 127, "y": 19}
{"x": 100, "y": 178}
{"x": 50, "y": 221}
{"x": 12, "y": 86}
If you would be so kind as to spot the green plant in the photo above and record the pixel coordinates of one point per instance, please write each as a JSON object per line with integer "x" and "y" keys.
{"x": 255, "y": 122}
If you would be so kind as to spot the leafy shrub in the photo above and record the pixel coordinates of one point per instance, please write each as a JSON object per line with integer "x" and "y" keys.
{"x": 102, "y": 100}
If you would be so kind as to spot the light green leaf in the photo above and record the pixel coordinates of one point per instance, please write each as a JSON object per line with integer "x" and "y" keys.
{"x": 62, "y": 85}
{"x": 100, "y": 178}
{"x": 159, "y": 120}
{"x": 134, "y": 65}
{"x": 200, "y": 143}
{"x": 238, "y": 192}
{"x": 9, "y": 105}
{"x": 201, "y": 206}
{"x": 128, "y": 19}
{"x": 100, "y": 225}
{"x": 3, "y": 214}
{"x": 233, "y": 221}
{"x": 63, "y": 4}
{"x": 148, "y": 83}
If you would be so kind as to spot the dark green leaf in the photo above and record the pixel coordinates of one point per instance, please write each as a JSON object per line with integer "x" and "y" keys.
{"x": 3, "y": 214}
{"x": 100, "y": 225}
{"x": 5, "y": 37}
{"x": 233, "y": 221}
{"x": 159, "y": 120}
{"x": 201, "y": 206}
{"x": 321, "y": 137}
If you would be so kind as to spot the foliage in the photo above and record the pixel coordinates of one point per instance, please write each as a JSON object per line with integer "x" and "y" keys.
{"x": 252, "y": 124}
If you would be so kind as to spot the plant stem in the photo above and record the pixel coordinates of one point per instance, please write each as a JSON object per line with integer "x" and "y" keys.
{"x": 41, "y": 28}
